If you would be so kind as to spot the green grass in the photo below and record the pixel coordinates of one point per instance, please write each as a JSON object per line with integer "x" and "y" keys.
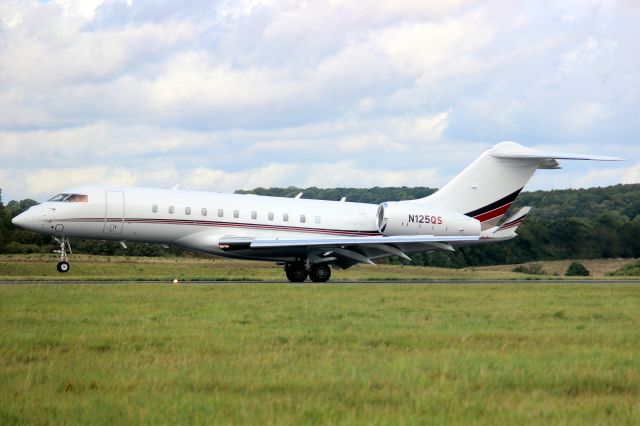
{"x": 101, "y": 268}
{"x": 332, "y": 354}
{"x": 35, "y": 267}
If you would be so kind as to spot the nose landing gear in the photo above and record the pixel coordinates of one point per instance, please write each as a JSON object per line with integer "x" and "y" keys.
{"x": 65, "y": 246}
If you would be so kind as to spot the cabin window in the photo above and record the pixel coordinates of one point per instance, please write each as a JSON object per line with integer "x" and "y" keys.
{"x": 317, "y": 219}
{"x": 270, "y": 216}
{"x": 236, "y": 214}
{"x": 203, "y": 211}
{"x": 220, "y": 213}
{"x": 254, "y": 215}
{"x": 171, "y": 209}
{"x": 285, "y": 217}
{"x": 154, "y": 208}
{"x": 187, "y": 210}
{"x": 303, "y": 218}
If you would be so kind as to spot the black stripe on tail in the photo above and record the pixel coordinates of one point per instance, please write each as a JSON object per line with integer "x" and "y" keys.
{"x": 496, "y": 204}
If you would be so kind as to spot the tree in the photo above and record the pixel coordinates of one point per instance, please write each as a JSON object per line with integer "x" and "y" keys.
{"x": 577, "y": 270}
{"x": 564, "y": 224}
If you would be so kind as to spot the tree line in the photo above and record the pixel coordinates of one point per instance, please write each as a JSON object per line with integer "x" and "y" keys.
{"x": 563, "y": 224}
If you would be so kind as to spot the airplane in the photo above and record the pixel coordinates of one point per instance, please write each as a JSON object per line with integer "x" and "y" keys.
{"x": 306, "y": 236}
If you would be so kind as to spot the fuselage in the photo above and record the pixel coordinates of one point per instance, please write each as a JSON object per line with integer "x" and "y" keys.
{"x": 194, "y": 219}
{"x": 307, "y": 236}
{"x": 198, "y": 220}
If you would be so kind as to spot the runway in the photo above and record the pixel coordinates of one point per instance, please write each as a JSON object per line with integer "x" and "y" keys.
{"x": 389, "y": 282}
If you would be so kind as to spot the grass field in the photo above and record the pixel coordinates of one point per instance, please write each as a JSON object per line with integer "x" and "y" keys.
{"x": 306, "y": 354}
{"x": 38, "y": 267}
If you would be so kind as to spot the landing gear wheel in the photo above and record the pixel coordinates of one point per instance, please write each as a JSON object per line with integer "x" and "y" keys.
{"x": 65, "y": 249}
{"x": 296, "y": 272}
{"x": 320, "y": 273}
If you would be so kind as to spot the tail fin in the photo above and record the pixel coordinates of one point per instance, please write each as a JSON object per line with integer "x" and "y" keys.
{"x": 508, "y": 228}
{"x": 486, "y": 189}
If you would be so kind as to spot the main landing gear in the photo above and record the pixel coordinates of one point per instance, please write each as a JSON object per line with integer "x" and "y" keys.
{"x": 297, "y": 272}
{"x": 65, "y": 247}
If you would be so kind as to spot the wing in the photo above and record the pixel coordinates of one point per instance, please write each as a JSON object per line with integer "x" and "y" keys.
{"x": 343, "y": 251}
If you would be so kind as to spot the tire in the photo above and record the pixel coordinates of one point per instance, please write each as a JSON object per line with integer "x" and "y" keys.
{"x": 320, "y": 273}
{"x": 63, "y": 267}
{"x": 296, "y": 272}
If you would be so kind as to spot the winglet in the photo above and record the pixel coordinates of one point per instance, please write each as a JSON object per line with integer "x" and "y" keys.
{"x": 515, "y": 220}
{"x": 508, "y": 228}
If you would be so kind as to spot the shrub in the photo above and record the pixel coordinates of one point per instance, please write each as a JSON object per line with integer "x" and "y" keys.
{"x": 577, "y": 270}
{"x": 630, "y": 270}
{"x": 533, "y": 269}
{"x": 16, "y": 247}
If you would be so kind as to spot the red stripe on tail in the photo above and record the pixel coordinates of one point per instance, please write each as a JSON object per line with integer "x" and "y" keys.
{"x": 492, "y": 214}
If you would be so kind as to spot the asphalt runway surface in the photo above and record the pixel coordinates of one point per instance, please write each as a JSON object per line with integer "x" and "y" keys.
{"x": 425, "y": 282}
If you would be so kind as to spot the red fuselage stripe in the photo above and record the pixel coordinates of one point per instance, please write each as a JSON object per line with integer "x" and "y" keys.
{"x": 223, "y": 224}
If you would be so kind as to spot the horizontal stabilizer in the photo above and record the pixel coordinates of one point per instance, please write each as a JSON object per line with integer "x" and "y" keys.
{"x": 534, "y": 154}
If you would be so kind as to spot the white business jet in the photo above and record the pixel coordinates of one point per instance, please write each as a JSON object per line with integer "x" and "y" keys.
{"x": 306, "y": 236}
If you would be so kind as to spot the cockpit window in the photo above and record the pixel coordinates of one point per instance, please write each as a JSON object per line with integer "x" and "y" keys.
{"x": 59, "y": 197}
{"x": 78, "y": 198}
{"x": 71, "y": 198}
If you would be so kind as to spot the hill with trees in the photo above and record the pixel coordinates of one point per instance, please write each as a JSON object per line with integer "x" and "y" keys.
{"x": 563, "y": 224}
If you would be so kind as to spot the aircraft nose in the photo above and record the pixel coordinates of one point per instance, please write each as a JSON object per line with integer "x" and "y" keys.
{"x": 21, "y": 220}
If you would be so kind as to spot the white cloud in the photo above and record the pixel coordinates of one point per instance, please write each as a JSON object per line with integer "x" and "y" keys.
{"x": 434, "y": 50}
{"x": 52, "y": 181}
{"x": 193, "y": 81}
{"x": 584, "y": 116}
{"x": 344, "y": 173}
{"x": 347, "y": 174}
{"x": 308, "y": 19}
{"x": 632, "y": 174}
{"x": 239, "y": 93}
{"x": 83, "y": 8}
{"x": 68, "y": 56}
{"x": 219, "y": 180}
{"x": 596, "y": 177}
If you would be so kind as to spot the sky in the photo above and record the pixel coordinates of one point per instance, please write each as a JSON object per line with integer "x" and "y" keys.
{"x": 244, "y": 93}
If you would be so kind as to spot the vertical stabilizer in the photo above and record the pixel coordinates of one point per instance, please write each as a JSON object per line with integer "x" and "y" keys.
{"x": 486, "y": 189}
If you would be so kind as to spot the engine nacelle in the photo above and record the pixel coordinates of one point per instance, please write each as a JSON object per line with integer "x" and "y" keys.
{"x": 410, "y": 218}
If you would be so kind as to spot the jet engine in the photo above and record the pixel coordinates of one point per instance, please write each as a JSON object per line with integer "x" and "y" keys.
{"x": 409, "y": 218}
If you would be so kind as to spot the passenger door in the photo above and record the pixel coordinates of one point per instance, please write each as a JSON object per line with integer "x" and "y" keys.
{"x": 114, "y": 212}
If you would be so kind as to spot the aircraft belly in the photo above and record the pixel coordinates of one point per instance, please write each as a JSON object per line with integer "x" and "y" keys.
{"x": 253, "y": 255}
{"x": 207, "y": 240}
